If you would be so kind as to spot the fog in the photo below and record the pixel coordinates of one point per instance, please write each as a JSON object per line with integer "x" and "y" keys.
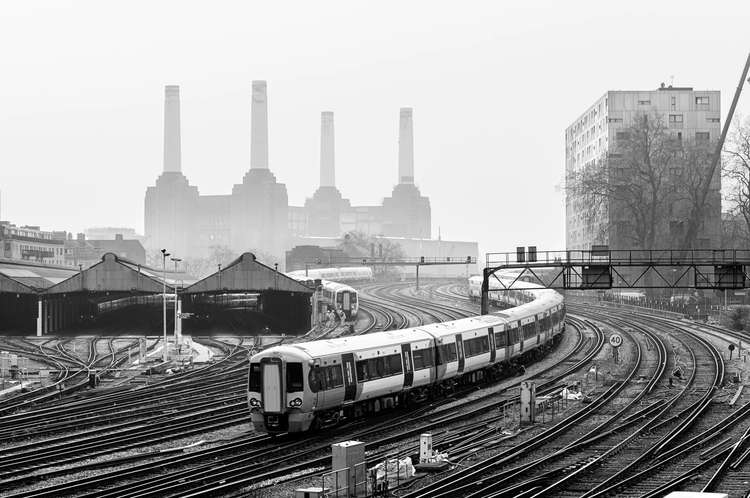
{"x": 492, "y": 86}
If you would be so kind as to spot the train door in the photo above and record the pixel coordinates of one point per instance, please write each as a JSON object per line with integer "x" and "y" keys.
{"x": 520, "y": 336}
{"x": 508, "y": 345}
{"x": 350, "y": 381}
{"x": 460, "y": 350}
{"x": 440, "y": 362}
{"x": 408, "y": 369}
{"x": 347, "y": 304}
{"x": 316, "y": 384}
{"x": 538, "y": 327}
{"x": 493, "y": 351}
{"x": 271, "y": 384}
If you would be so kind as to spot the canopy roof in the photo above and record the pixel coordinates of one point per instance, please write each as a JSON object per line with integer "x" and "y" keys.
{"x": 26, "y": 277}
{"x": 247, "y": 274}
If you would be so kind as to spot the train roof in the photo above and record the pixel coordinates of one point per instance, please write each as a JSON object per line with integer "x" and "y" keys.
{"x": 336, "y": 286}
{"x": 347, "y": 344}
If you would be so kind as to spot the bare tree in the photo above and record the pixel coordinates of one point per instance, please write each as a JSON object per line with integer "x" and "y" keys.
{"x": 692, "y": 207}
{"x": 632, "y": 184}
{"x": 737, "y": 172}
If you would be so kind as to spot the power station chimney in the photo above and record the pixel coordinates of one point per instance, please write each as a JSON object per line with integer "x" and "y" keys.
{"x": 172, "y": 153}
{"x": 406, "y": 147}
{"x": 327, "y": 148}
{"x": 259, "y": 127}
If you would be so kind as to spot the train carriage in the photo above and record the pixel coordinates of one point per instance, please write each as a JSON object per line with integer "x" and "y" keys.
{"x": 316, "y": 384}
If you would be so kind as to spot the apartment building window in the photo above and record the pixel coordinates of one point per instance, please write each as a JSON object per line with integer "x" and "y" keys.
{"x": 701, "y": 100}
{"x": 674, "y": 102}
{"x": 712, "y": 120}
{"x": 675, "y": 120}
{"x": 702, "y": 136}
{"x": 644, "y": 102}
{"x": 614, "y": 120}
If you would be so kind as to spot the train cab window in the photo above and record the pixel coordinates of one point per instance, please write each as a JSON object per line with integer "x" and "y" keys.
{"x": 314, "y": 379}
{"x": 253, "y": 383}
{"x": 293, "y": 377}
{"x": 380, "y": 367}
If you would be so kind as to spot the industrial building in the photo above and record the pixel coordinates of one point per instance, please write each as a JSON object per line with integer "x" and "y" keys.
{"x": 256, "y": 215}
{"x": 689, "y": 116}
{"x": 309, "y": 250}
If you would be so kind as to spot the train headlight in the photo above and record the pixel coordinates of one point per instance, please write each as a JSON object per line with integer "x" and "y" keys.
{"x": 296, "y": 403}
{"x": 254, "y": 403}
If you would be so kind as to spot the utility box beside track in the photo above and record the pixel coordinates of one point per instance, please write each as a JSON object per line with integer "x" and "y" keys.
{"x": 528, "y": 402}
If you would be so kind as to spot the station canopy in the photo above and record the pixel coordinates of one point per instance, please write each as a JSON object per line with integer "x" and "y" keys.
{"x": 246, "y": 274}
{"x": 115, "y": 274}
{"x": 25, "y": 277}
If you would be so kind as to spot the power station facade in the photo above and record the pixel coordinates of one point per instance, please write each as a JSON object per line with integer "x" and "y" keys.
{"x": 256, "y": 216}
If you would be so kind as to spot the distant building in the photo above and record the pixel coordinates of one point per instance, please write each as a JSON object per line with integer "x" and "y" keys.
{"x": 690, "y": 115}
{"x": 256, "y": 216}
{"x": 30, "y": 243}
{"x": 86, "y": 252}
{"x": 413, "y": 248}
{"x": 312, "y": 256}
{"x": 111, "y": 233}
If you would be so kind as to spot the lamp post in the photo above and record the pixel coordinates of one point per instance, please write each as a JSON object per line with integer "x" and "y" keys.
{"x": 164, "y": 255}
{"x": 176, "y": 328}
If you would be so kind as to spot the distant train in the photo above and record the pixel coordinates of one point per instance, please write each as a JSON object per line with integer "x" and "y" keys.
{"x": 501, "y": 295}
{"x": 298, "y": 387}
{"x": 347, "y": 274}
{"x": 335, "y": 294}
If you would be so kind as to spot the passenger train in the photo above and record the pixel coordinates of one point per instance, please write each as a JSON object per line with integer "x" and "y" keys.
{"x": 498, "y": 294}
{"x": 348, "y": 274}
{"x": 333, "y": 296}
{"x": 311, "y": 385}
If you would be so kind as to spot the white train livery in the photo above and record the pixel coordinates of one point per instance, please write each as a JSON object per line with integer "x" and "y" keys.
{"x": 298, "y": 387}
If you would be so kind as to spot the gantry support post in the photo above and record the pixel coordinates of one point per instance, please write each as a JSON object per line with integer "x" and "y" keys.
{"x": 485, "y": 306}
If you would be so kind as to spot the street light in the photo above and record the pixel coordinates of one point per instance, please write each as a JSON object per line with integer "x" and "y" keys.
{"x": 164, "y": 255}
{"x": 176, "y": 328}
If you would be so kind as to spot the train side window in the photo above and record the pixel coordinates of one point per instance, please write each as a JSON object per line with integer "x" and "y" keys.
{"x": 477, "y": 346}
{"x": 362, "y": 371}
{"x": 313, "y": 379}
{"x": 448, "y": 353}
{"x": 293, "y": 377}
{"x": 254, "y": 378}
{"x": 499, "y": 340}
{"x": 513, "y": 334}
{"x": 422, "y": 358}
{"x": 337, "y": 377}
{"x": 394, "y": 364}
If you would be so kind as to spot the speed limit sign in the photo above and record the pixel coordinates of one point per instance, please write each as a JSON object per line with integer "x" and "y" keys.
{"x": 615, "y": 340}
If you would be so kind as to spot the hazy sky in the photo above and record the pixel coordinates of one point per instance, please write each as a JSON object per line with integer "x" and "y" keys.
{"x": 493, "y": 86}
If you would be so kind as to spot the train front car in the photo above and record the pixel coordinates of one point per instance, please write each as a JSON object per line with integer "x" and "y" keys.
{"x": 278, "y": 394}
{"x": 343, "y": 297}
